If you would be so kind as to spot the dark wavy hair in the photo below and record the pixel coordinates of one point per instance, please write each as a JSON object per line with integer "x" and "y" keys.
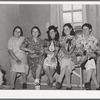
{"x": 87, "y": 25}
{"x": 20, "y": 29}
{"x": 37, "y": 29}
{"x": 57, "y": 33}
{"x": 70, "y": 26}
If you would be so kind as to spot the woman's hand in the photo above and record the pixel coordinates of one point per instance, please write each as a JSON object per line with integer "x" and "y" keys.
{"x": 34, "y": 56}
{"x": 53, "y": 59}
{"x": 31, "y": 51}
{"x": 18, "y": 61}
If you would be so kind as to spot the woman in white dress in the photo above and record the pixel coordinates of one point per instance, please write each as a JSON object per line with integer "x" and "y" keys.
{"x": 17, "y": 57}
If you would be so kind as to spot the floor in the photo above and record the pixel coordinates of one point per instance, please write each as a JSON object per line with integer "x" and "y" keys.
{"x": 30, "y": 86}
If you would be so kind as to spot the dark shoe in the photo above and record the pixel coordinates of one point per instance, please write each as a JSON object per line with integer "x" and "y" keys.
{"x": 24, "y": 86}
{"x": 68, "y": 88}
{"x": 58, "y": 85}
{"x": 88, "y": 86}
{"x": 98, "y": 88}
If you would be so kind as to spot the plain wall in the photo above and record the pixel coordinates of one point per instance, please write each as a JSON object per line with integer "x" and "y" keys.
{"x": 9, "y": 18}
{"x": 34, "y": 15}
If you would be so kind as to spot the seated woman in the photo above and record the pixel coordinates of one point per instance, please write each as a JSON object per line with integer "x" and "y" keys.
{"x": 90, "y": 47}
{"x": 79, "y": 49}
{"x": 65, "y": 55}
{"x": 51, "y": 50}
{"x": 17, "y": 56}
{"x": 35, "y": 53}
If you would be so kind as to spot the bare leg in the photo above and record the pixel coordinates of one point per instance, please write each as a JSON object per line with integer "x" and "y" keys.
{"x": 95, "y": 79}
{"x": 24, "y": 77}
{"x": 38, "y": 72}
{"x": 68, "y": 76}
{"x": 89, "y": 75}
{"x": 47, "y": 72}
{"x": 24, "y": 81}
{"x": 62, "y": 75}
{"x": 13, "y": 76}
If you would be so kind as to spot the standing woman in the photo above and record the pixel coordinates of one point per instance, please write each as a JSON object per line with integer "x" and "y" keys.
{"x": 34, "y": 47}
{"x": 51, "y": 50}
{"x": 18, "y": 57}
{"x": 65, "y": 55}
{"x": 90, "y": 46}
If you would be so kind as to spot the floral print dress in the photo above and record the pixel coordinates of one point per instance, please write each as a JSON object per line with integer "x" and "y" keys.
{"x": 90, "y": 46}
{"x": 64, "y": 59}
{"x": 39, "y": 51}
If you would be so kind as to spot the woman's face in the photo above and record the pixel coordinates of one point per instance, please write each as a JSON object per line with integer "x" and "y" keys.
{"x": 52, "y": 33}
{"x": 67, "y": 30}
{"x": 35, "y": 32}
{"x": 17, "y": 32}
{"x": 86, "y": 30}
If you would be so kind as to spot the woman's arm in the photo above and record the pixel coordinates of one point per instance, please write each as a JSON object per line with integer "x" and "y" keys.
{"x": 64, "y": 50}
{"x": 24, "y": 45}
{"x": 47, "y": 51}
{"x": 25, "y": 49}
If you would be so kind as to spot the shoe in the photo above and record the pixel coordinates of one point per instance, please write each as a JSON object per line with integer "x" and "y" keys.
{"x": 68, "y": 88}
{"x": 24, "y": 86}
{"x": 58, "y": 85}
{"x": 98, "y": 88}
{"x": 88, "y": 86}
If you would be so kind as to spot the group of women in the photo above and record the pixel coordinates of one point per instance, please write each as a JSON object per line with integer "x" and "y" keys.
{"x": 69, "y": 50}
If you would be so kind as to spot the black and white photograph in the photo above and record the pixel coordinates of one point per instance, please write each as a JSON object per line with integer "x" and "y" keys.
{"x": 50, "y": 46}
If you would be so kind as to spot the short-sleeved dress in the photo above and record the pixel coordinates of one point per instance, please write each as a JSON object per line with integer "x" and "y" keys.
{"x": 14, "y": 45}
{"x": 90, "y": 45}
{"x": 66, "y": 60}
{"x": 38, "y": 48}
{"x": 79, "y": 47}
{"x": 51, "y": 46}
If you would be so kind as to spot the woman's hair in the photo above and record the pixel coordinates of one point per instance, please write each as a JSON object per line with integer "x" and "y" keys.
{"x": 87, "y": 25}
{"x": 55, "y": 29}
{"x": 37, "y": 29}
{"x": 70, "y": 26}
{"x": 20, "y": 29}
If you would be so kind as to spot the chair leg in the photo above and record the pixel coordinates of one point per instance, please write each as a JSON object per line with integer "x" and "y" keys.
{"x": 81, "y": 78}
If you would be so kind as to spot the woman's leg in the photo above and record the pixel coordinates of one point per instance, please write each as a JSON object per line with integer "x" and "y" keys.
{"x": 88, "y": 75}
{"x": 68, "y": 76}
{"x": 62, "y": 73}
{"x": 24, "y": 80}
{"x": 38, "y": 74}
{"x": 59, "y": 81}
{"x": 12, "y": 82}
{"x": 95, "y": 79}
{"x": 48, "y": 73}
{"x": 52, "y": 71}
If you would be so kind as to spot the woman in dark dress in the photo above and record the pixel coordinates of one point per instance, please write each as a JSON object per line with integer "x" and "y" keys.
{"x": 35, "y": 53}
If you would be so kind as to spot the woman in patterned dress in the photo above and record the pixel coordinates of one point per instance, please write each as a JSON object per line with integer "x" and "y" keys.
{"x": 51, "y": 50}
{"x": 35, "y": 53}
{"x": 18, "y": 57}
{"x": 65, "y": 55}
{"x": 90, "y": 47}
